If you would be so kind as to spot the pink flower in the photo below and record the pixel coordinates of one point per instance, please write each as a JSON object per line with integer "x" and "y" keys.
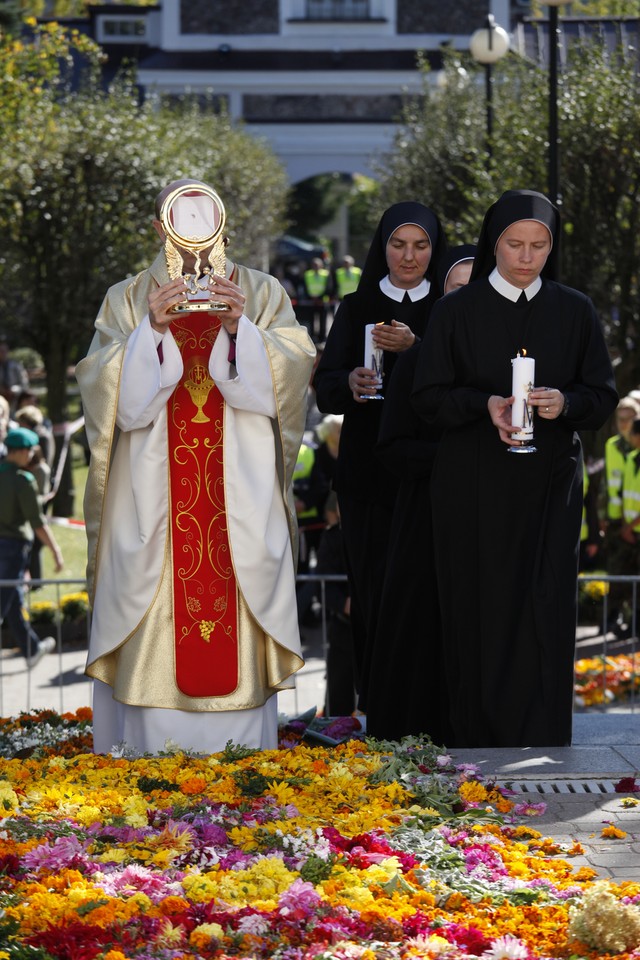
{"x": 299, "y": 901}
{"x": 63, "y": 853}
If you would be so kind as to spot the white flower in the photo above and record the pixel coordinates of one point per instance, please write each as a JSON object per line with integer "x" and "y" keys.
{"x": 507, "y": 948}
{"x": 253, "y": 924}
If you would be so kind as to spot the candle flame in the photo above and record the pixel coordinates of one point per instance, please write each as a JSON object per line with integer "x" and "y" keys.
{"x": 524, "y": 352}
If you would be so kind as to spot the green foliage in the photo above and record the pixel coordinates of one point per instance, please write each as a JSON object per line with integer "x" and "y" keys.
{"x": 315, "y": 201}
{"x": 74, "y": 607}
{"x": 251, "y": 783}
{"x": 441, "y": 158}
{"x": 315, "y": 870}
{"x": 66, "y": 8}
{"x": 590, "y": 8}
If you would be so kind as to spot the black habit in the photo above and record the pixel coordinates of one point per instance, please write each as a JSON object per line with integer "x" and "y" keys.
{"x": 405, "y": 694}
{"x": 507, "y": 525}
{"x": 366, "y": 490}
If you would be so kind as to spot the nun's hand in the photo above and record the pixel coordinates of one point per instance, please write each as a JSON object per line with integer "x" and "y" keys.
{"x": 393, "y": 337}
{"x": 363, "y": 383}
{"x": 548, "y": 400}
{"x": 500, "y": 412}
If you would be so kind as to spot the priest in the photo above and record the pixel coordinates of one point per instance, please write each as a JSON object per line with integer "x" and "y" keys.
{"x": 194, "y": 421}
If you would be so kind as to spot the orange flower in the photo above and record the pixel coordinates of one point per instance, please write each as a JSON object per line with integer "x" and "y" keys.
{"x": 173, "y": 906}
{"x": 613, "y": 832}
{"x": 193, "y": 785}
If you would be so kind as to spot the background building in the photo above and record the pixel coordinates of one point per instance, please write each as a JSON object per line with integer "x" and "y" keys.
{"x": 322, "y": 80}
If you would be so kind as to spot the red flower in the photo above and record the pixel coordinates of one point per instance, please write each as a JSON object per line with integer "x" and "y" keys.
{"x": 627, "y": 785}
{"x": 77, "y": 941}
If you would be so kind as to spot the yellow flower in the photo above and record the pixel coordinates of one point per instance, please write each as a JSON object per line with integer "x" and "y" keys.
{"x": 8, "y": 796}
{"x": 203, "y": 934}
{"x": 472, "y": 792}
{"x": 135, "y": 811}
{"x": 113, "y": 854}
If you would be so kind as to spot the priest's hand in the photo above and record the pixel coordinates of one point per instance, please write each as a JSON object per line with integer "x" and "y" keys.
{"x": 393, "y": 337}
{"x": 226, "y": 291}
{"x": 548, "y": 400}
{"x": 363, "y": 382}
{"x": 500, "y": 412}
{"x": 161, "y": 301}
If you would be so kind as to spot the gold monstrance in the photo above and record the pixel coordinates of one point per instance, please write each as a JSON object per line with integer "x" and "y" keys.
{"x": 193, "y": 219}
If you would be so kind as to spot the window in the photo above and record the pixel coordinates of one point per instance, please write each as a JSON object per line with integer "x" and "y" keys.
{"x": 337, "y": 10}
{"x": 123, "y": 28}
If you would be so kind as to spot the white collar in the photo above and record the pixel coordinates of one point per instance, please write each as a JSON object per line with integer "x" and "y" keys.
{"x": 415, "y": 293}
{"x": 507, "y": 289}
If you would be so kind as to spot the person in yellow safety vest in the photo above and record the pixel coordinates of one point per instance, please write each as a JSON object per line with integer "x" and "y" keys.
{"x": 590, "y": 532}
{"x": 317, "y": 288}
{"x": 616, "y": 451}
{"x": 347, "y": 277}
{"x": 310, "y": 490}
{"x": 584, "y": 529}
{"x": 630, "y": 531}
{"x": 621, "y": 549}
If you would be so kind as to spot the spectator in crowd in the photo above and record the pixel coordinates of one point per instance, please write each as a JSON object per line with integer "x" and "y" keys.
{"x": 340, "y": 696}
{"x": 194, "y": 420}
{"x": 397, "y": 290}
{"x": 347, "y": 277}
{"x": 507, "y": 524}
{"x": 310, "y": 489}
{"x": 325, "y": 448}
{"x": 316, "y": 299}
{"x": 32, "y": 417}
{"x": 630, "y": 530}
{"x": 13, "y": 376}
{"x": 20, "y": 519}
{"x": 591, "y": 534}
{"x": 619, "y": 552}
{"x": 4, "y": 424}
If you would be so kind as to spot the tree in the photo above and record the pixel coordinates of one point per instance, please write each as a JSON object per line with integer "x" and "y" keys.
{"x": 79, "y": 172}
{"x": 440, "y": 157}
{"x": 592, "y": 8}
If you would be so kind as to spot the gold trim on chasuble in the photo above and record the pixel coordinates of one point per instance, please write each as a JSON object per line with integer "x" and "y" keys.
{"x": 205, "y": 604}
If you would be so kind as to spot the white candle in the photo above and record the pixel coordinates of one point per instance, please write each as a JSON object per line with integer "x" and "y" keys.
{"x": 523, "y": 379}
{"x": 373, "y": 355}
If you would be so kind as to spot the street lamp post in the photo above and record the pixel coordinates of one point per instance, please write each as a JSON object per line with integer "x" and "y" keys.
{"x": 554, "y": 153}
{"x": 488, "y": 45}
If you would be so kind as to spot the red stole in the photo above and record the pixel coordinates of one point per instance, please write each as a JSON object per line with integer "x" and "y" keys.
{"x": 205, "y": 605}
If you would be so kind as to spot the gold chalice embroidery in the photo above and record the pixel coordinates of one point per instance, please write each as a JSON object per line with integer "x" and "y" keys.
{"x": 199, "y": 385}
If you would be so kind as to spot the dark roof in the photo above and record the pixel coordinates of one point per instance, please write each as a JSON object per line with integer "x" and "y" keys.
{"x": 286, "y": 60}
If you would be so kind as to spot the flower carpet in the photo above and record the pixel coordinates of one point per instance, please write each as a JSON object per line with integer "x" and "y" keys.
{"x": 605, "y": 680}
{"x": 364, "y": 849}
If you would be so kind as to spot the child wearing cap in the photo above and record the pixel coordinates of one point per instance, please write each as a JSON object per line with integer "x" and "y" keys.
{"x": 21, "y": 518}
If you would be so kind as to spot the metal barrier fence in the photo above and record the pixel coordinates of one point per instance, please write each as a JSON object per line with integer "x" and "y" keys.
{"x": 17, "y": 674}
{"x": 594, "y": 639}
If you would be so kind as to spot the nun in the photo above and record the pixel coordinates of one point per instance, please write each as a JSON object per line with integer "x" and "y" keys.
{"x": 507, "y": 524}
{"x": 397, "y": 290}
{"x": 401, "y": 700}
